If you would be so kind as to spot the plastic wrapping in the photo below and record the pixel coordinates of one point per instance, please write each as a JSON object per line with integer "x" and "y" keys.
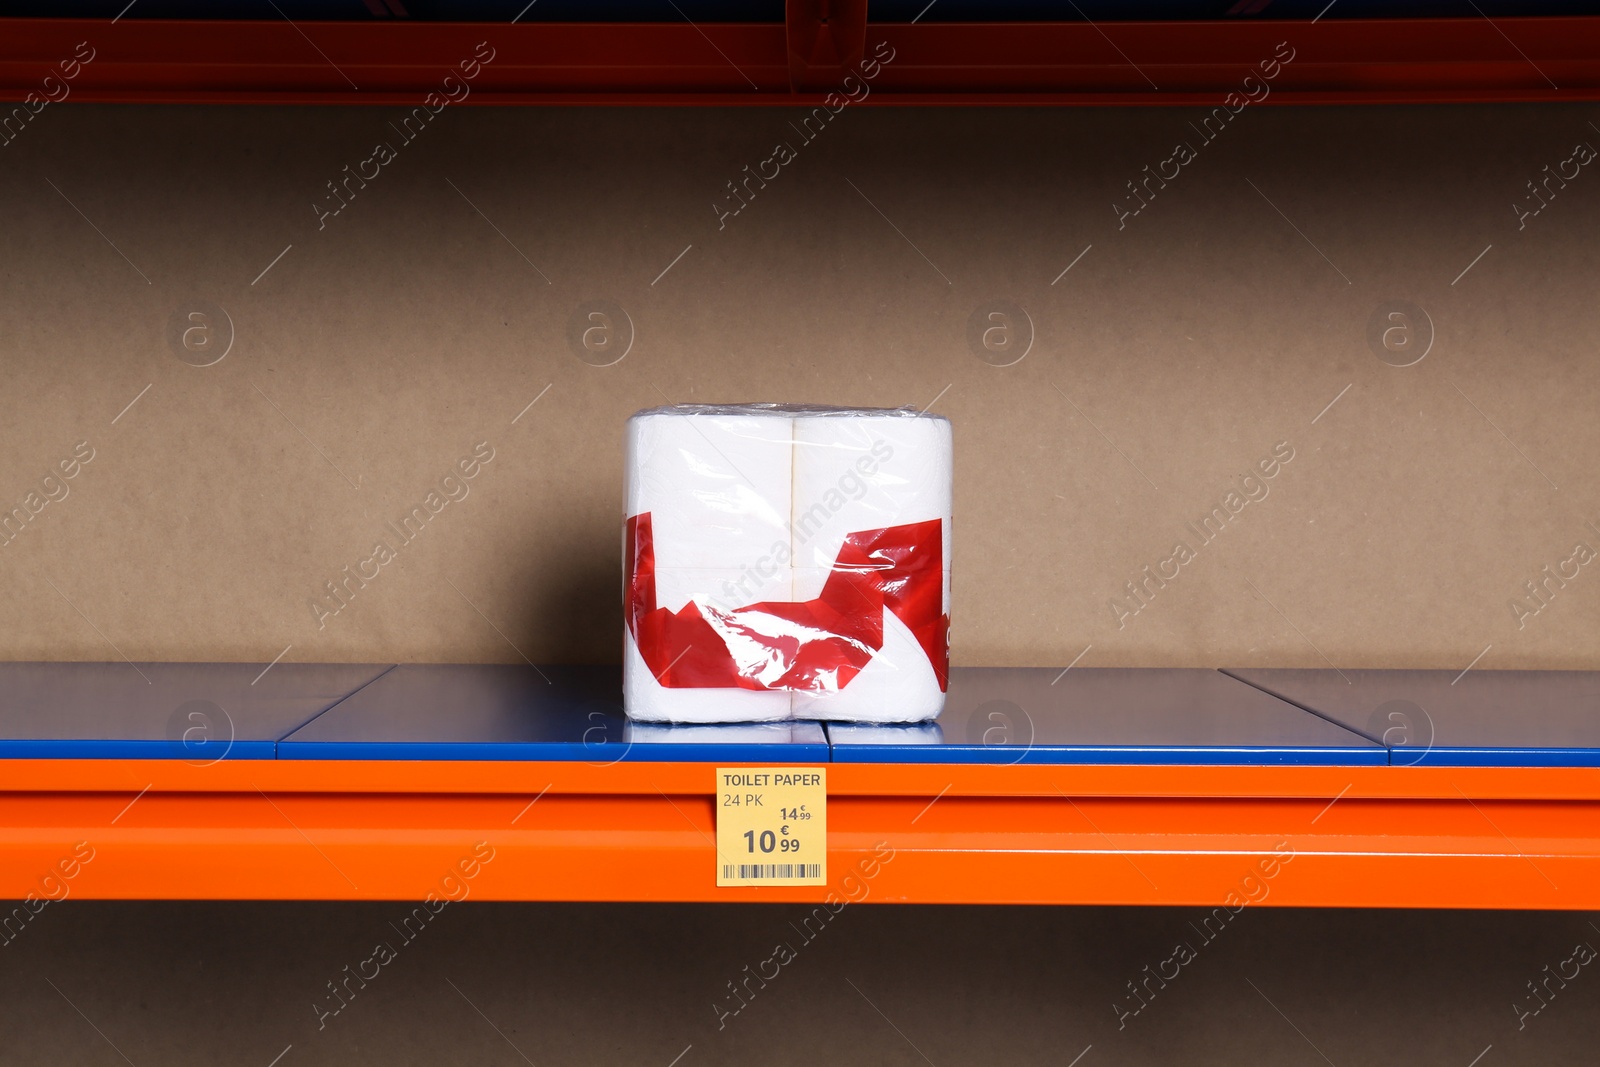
{"x": 786, "y": 562}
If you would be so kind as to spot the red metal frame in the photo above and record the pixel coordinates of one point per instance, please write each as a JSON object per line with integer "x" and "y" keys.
{"x": 399, "y": 62}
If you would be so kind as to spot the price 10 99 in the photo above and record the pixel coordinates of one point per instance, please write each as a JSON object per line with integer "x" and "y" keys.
{"x": 767, "y": 841}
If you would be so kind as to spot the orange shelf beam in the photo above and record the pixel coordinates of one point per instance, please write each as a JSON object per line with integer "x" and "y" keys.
{"x": 334, "y": 830}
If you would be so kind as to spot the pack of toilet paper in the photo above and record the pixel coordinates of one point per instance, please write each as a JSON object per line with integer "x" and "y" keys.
{"x": 786, "y": 562}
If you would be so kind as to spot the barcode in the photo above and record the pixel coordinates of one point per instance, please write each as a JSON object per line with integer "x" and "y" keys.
{"x": 772, "y": 870}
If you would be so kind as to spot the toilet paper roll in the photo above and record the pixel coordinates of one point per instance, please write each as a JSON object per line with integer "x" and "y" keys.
{"x": 743, "y": 733}
{"x": 734, "y": 630}
{"x": 701, "y": 601}
{"x": 866, "y": 472}
{"x": 646, "y": 699}
{"x": 897, "y": 684}
{"x": 717, "y": 484}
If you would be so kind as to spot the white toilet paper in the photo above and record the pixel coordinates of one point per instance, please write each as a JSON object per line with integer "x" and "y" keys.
{"x": 897, "y": 685}
{"x": 860, "y": 471}
{"x": 748, "y": 733}
{"x": 646, "y": 699}
{"x": 716, "y": 484}
{"x": 865, "y": 472}
{"x": 787, "y": 562}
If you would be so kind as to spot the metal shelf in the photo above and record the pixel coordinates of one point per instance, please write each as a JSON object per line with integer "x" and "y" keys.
{"x": 608, "y": 824}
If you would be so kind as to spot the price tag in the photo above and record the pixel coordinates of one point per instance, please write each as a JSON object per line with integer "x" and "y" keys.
{"x": 772, "y": 826}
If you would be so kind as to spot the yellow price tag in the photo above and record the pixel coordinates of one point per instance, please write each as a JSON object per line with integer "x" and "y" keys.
{"x": 772, "y": 826}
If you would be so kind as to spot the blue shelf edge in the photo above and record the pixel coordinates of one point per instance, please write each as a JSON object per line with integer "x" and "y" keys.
{"x": 1400, "y": 756}
{"x": 832, "y": 752}
{"x": 1160, "y": 756}
{"x": 558, "y": 752}
{"x": 134, "y": 748}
